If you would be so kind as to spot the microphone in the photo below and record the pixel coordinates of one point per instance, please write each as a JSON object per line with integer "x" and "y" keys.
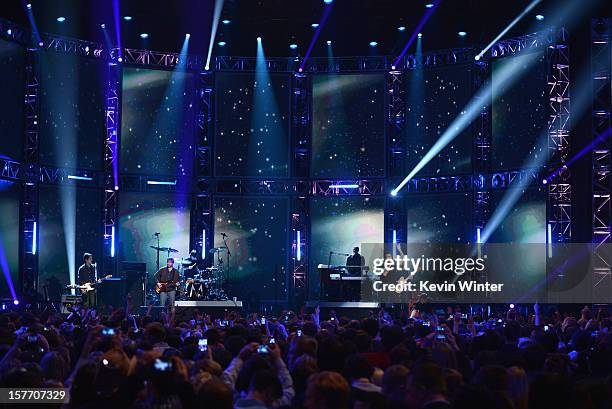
{"x": 223, "y": 234}
{"x": 156, "y": 234}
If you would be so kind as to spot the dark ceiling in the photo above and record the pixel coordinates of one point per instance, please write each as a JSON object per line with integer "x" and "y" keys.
{"x": 352, "y": 24}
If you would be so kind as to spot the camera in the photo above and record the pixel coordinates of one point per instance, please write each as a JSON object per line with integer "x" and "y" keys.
{"x": 163, "y": 366}
{"x": 203, "y": 344}
{"x": 263, "y": 349}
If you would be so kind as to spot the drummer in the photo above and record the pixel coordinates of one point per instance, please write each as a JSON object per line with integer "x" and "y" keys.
{"x": 190, "y": 265}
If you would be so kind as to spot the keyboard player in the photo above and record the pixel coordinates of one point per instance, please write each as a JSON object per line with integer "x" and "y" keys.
{"x": 355, "y": 263}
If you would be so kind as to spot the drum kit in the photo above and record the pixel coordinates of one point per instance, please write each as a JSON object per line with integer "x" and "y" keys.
{"x": 199, "y": 284}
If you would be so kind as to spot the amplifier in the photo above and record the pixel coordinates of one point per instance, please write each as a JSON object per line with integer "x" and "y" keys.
{"x": 69, "y": 301}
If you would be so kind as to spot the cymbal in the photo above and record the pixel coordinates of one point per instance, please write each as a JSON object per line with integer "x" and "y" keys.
{"x": 165, "y": 249}
{"x": 217, "y": 249}
{"x": 211, "y": 268}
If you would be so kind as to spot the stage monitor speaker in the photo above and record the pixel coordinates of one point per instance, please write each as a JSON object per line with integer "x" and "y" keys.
{"x": 111, "y": 293}
{"x": 135, "y": 275}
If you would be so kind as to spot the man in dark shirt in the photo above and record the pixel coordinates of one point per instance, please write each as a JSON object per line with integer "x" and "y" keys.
{"x": 355, "y": 260}
{"x": 166, "y": 279}
{"x": 87, "y": 274}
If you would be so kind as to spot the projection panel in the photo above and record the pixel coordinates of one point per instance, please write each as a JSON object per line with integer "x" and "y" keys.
{"x": 252, "y": 129}
{"x": 435, "y": 98}
{"x": 348, "y": 120}
{"x": 72, "y": 100}
{"x": 12, "y": 83}
{"x": 157, "y": 122}
{"x": 440, "y": 218}
{"x": 519, "y": 112}
{"x": 339, "y": 224}
{"x": 9, "y": 236}
{"x": 257, "y": 239}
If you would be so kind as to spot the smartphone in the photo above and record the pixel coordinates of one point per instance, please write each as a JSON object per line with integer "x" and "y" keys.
{"x": 299, "y": 332}
{"x": 203, "y": 344}
{"x": 546, "y": 328}
{"x": 108, "y": 331}
{"x": 441, "y": 337}
{"x": 162, "y": 366}
{"x": 263, "y": 320}
{"x": 464, "y": 316}
{"x": 263, "y": 349}
{"x": 426, "y": 323}
{"x": 224, "y": 323}
{"x": 332, "y": 318}
{"x": 272, "y": 340}
{"x": 440, "y": 329}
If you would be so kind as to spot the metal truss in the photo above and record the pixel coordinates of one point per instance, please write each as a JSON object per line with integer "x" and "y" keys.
{"x": 28, "y": 243}
{"x": 75, "y": 46}
{"x": 204, "y": 124}
{"x": 348, "y": 64}
{"x": 515, "y": 45}
{"x": 202, "y": 225}
{"x": 300, "y": 221}
{"x": 522, "y": 177}
{"x": 111, "y": 165}
{"x": 273, "y": 64}
{"x": 148, "y": 183}
{"x": 300, "y": 125}
{"x": 253, "y": 186}
{"x": 440, "y": 184}
{"x": 157, "y": 59}
{"x": 395, "y": 124}
{"x": 559, "y": 188}
{"x": 365, "y": 187}
{"x": 481, "y": 135}
{"x": 601, "y": 63}
{"x": 440, "y": 57}
{"x": 9, "y": 169}
{"x": 71, "y": 177}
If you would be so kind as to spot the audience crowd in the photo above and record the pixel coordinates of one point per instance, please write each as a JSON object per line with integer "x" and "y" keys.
{"x": 434, "y": 360}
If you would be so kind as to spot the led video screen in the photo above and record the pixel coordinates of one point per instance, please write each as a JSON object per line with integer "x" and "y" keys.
{"x": 72, "y": 100}
{"x": 70, "y": 224}
{"x": 348, "y": 126}
{"x": 435, "y": 98}
{"x": 256, "y": 231}
{"x": 12, "y": 83}
{"x": 444, "y": 218}
{"x": 525, "y": 221}
{"x": 518, "y": 111}
{"x": 9, "y": 236}
{"x": 252, "y": 124}
{"x": 158, "y": 112}
{"x": 338, "y": 224}
{"x": 141, "y": 215}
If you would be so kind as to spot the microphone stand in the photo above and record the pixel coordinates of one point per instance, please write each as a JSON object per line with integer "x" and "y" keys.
{"x": 227, "y": 274}
{"x": 157, "y": 237}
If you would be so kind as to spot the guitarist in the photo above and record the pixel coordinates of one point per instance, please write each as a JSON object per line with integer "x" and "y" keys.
{"x": 167, "y": 278}
{"x": 87, "y": 274}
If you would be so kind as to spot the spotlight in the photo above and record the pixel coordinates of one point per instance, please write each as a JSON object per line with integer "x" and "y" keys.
{"x": 539, "y": 17}
{"x": 144, "y": 35}
{"x": 127, "y": 18}
{"x": 9, "y": 32}
{"x": 429, "y": 5}
{"x": 187, "y": 35}
{"x": 226, "y": 21}
{"x": 393, "y": 67}
{"x": 221, "y": 43}
{"x": 86, "y": 48}
{"x": 328, "y": 1}
{"x": 259, "y": 39}
{"x": 61, "y": 19}
{"x": 102, "y": 26}
{"x": 116, "y": 187}
{"x": 29, "y": 6}
{"x": 461, "y": 33}
{"x": 207, "y": 67}
{"x": 120, "y": 59}
{"x": 511, "y": 306}
{"x": 420, "y": 35}
{"x": 314, "y": 25}
{"x": 328, "y": 42}
{"x": 394, "y": 193}
{"x": 16, "y": 301}
{"x": 300, "y": 69}
{"x": 544, "y": 181}
{"x": 40, "y": 44}
{"x": 373, "y": 43}
{"x": 401, "y": 28}
{"x": 477, "y": 57}
{"x": 293, "y": 46}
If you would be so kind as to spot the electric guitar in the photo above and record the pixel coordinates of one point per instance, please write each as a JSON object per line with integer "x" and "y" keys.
{"x": 88, "y": 286}
{"x": 163, "y": 287}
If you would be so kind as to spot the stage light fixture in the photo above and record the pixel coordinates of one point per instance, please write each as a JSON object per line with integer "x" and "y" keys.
{"x": 544, "y": 181}
{"x": 120, "y": 59}
{"x": 221, "y": 43}
{"x": 144, "y": 35}
{"x": 328, "y": 1}
{"x": 539, "y": 17}
{"x": 429, "y": 5}
{"x": 394, "y": 192}
{"x": 29, "y": 6}
{"x": 293, "y": 46}
{"x": 420, "y": 35}
{"x": 314, "y": 25}
{"x": 511, "y": 306}
{"x": 187, "y": 35}
{"x": 393, "y": 67}
{"x": 328, "y": 42}
{"x": 373, "y": 43}
{"x": 40, "y": 44}
{"x": 61, "y": 19}
{"x": 401, "y": 28}
{"x": 226, "y": 21}
{"x": 102, "y": 26}
{"x": 344, "y": 186}
{"x": 127, "y": 18}
{"x": 461, "y": 33}
{"x": 16, "y": 301}
{"x": 9, "y": 32}
{"x": 259, "y": 39}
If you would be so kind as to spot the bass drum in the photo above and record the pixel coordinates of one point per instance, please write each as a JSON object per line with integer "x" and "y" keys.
{"x": 196, "y": 290}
